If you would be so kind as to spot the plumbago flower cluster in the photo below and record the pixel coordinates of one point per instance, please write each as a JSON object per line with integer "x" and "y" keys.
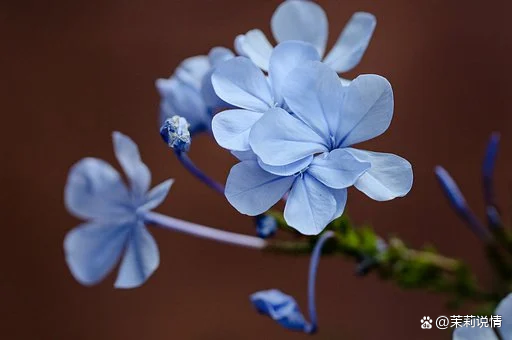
{"x": 292, "y": 122}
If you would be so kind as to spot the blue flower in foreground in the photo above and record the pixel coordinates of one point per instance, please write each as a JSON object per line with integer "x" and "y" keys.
{"x": 115, "y": 228}
{"x": 242, "y": 84}
{"x": 504, "y": 310}
{"x": 189, "y": 93}
{"x": 307, "y": 21}
{"x": 283, "y": 308}
{"x": 308, "y": 152}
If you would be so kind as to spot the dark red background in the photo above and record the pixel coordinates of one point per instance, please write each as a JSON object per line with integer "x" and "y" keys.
{"x": 74, "y": 71}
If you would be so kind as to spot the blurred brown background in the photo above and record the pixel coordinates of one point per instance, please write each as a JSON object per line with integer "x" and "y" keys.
{"x": 74, "y": 71}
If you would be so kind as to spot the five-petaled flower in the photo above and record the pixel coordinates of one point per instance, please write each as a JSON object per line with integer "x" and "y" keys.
{"x": 115, "y": 228}
{"x": 189, "y": 93}
{"x": 308, "y": 154}
{"x": 307, "y": 21}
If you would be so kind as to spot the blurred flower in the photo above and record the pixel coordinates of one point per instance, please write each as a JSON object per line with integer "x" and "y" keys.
{"x": 504, "y": 311}
{"x": 458, "y": 202}
{"x": 189, "y": 93}
{"x": 308, "y": 152}
{"x": 280, "y": 307}
{"x": 307, "y": 21}
{"x": 266, "y": 226}
{"x": 283, "y": 308}
{"x": 175, "y": 133}
{"x": 240, "y": 83}
{"x": 115, "y": 228}
{"x": 489, "y": 163}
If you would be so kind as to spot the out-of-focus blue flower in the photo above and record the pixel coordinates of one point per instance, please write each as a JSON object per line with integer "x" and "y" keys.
{"x": 266, "y": 226}
{"x": 189, "y": 93}
{"x": 280, "y": 307}
{"x": 307, "y": 21}
{"x": 488, "y": 166}
{"x": 240, "y": 83}
{"x": 115, "y": 227}
{"x": 175, "y": 133}
{"x": 283, "y": 308}
{"x": 504, "y": 310}
{"x": 458, "y": 202}
{"x": 308, "y": 152}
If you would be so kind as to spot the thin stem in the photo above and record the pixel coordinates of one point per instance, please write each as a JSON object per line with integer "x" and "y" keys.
{"x": 313, "y": 268}
{"x": 194, "y": 170}
{"x": 204, "y": 232}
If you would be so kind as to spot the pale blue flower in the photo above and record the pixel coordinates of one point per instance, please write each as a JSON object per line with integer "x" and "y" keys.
{"x": 307, "y": 21}
{"x": 242, "y": 84}
{"x": 115, "y": 227}
{"x": 504, "y": 310}
{"x": 308, "y": 152}
{"x": 189, "y": 93}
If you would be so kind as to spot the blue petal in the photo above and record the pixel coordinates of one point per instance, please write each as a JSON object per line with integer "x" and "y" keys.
{"x": 314, "y": 93}
{"x": 217, "y": 56}
{"x": 252, "y": 190}
{"x": 255, "y": 46}
{"x": 248, "y": 155}
{"x": 231, "y": 128}
{"x": 301, "y": 20}
{"x": 184, "y": 100}
{"x": 310, "y": 205}
{"x": 241, "y": 83}
{"x": 95, "y": 190}
{"x": 285, "y": 58}
{"x": 389, "y": 176}
{"x": 278, "y": 138}
{"x": 92, "y": 250}
{"x": 140, "y": 260}
{"x": 127, "y": 154}
{"x": 476, "y": 333}
{"x": 340, "y": 195}
{"x": 504, "y": 310}
{"x": 352, "y": 43}
{"x": 280, "y": 307}
{"x": 367, "y": 110}
{"x": 289, "y": 169}
{"x": 192, "y": 70}
{"x": 337, "y": 169}
{"x": 157, "y": 195}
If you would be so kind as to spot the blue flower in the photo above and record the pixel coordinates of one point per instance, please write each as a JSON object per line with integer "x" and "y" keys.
{"x": 308, "y": 152}
{"x": 115, "y": 227}
{"x": 307, "y": 21}
{"x": 242, "y": 84}
{"x": 504, "y": 310}
{"x": 189, "y": 93}
{"x": 280, "y": 307}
